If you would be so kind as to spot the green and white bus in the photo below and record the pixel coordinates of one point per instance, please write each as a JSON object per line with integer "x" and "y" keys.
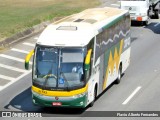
{"x": 78, "y": 57}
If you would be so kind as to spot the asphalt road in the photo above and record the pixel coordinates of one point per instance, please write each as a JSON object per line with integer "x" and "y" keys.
{"x": 138, "y": 90}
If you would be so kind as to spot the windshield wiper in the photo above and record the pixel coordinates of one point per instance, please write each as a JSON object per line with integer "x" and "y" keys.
{"x": 46, "y": 80}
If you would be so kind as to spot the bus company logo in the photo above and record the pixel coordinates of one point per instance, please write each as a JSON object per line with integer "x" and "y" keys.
{"x": 130, "y": 8}
{"x": 56, "y": 98}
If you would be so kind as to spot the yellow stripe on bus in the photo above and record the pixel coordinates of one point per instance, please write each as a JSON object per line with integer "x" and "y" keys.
{"x": 88, "y": 57}
{"x": 59, "y": 93}
{"x": 28, "y": 57}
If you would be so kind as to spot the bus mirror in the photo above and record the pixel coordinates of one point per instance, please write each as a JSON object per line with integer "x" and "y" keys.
{"x": 27, "y": 59}
{"x": 88, "y": 60}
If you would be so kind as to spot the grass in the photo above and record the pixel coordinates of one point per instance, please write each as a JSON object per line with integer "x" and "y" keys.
{"x": 17, "y": 15}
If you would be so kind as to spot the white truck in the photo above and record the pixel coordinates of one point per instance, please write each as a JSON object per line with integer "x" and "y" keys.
{"x": 141, "y": 10}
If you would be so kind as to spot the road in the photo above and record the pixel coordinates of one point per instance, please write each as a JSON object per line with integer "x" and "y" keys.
{"x": 138, "y": 90}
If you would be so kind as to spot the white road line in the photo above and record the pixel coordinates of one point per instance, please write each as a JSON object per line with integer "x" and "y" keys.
{"x": 13, "y": 58}
{"x": 26, "y": 73}
{"x": 117, "y": 5}
{"x": 36, "y": 38}
{"x": 18, "y": 50}
{"x": 1, "y": 87}
{"x": 12, "y": 68}
{"x": 29, "y": 44}
{"x": 156, "y": 24}
{"x": 18, "y": 78}
{"x": 130, "y": 97}
{"x": 6, "y": 77}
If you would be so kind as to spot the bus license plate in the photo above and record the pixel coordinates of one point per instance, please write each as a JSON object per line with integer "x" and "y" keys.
{"x": 56, "y": 103}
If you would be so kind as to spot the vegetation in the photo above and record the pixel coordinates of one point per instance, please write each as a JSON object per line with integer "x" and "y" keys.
{"x": 17, "y": 15}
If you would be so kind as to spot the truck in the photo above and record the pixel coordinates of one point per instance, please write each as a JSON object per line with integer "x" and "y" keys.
{"x": 141, "y": 10}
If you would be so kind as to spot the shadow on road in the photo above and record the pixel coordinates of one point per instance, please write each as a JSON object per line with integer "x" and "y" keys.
{"x": 154, "y": 27}
{"x": 133, "y": 39}
{"x": 23, "y": 102}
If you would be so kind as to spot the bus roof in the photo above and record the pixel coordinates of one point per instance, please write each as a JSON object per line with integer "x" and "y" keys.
{"x": 78, "y": 29}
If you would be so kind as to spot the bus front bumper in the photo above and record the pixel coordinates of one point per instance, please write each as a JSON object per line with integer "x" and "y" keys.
{"x": 77, "y": 101}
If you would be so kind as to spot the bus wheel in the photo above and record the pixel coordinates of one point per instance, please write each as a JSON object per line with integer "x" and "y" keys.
{"x": 119, "y": 75}
{"x": 147, "y": 22}
{"x": 156, "y": 14}
{"x": 95, "y": 94}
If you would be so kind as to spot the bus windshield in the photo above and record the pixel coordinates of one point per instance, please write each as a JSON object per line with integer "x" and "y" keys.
{"x": 59, "y": 68}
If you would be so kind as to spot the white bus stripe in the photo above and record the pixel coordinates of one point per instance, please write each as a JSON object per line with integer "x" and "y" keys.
{"x": 12, "y": 68}
{"x": 29, "y": 44}
{"x": 6, "y": 77}
{"x": 18, "y": 50}
{"x": 130, "y": 97}
{"x": 13, "y": 58}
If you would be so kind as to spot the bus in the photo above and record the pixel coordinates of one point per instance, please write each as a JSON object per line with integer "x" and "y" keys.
{"x": 76, "y": 58}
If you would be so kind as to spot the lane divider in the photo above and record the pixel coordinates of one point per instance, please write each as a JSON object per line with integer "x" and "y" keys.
{"x": 29, "y": 44}
{"x": 12, "y": 68}
{"x": 7, "y": 78}
{"x": 131, "y": 96}
{"x": 156, "y": 24}
{"x": 117, "y": 5}
{"x": 18, "y": 50}
{"x": 16, "y": 79}
{"x": 36, "y": 38}
{"x": 13, "y": 58}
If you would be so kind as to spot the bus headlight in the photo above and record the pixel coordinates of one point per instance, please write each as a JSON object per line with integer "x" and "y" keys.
{"x": 79, "y": 95}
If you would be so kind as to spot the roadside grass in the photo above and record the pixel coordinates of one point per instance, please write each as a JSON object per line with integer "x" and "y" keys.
{"x": 17, "y": 15}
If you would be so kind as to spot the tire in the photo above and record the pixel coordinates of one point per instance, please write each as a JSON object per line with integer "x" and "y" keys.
{"x": 146, "y": 23}
{"x": 118, "y": 80}
{"x": 95, "y": 94}
{"x": 156, "y": 14}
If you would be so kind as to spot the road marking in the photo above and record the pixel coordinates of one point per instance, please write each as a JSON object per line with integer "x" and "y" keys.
{"x": 117, "y": 5}
{"x": 156, "y": 24}
{"x": 130, "y": 97}
{"x": 29, "y": 44}
{"x": 18, "y": 50}
{"x": 36, "y": 38}
{"x": 18, "y": 78}
{"x": 13, "y": 58}
{"x": 12, "y": 68}
{"x": 6, "y": 77}
{"x": 26, "y": 73}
